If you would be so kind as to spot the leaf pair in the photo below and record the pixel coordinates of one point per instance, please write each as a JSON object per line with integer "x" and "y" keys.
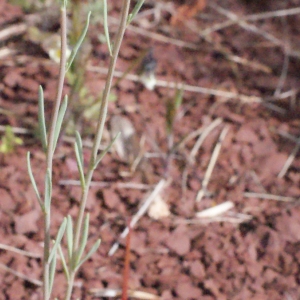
{"x": 42, "y": 123}
{"x": 129, "y": 20}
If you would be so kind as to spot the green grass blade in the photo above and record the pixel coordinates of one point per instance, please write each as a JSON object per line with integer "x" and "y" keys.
{"x": 105, "y": 24}
{"x": 84, "y": 239}
{"x": 99, "y": 158}
{"x": 69, "y": 234}
{"x": 135, "y": 11}
{"x": 60, "y": 119}
{"x": 59, "y": 237}
{"x": 79, "y": 158}
{"x": 90, "y": 253}
{"x": 79, "y": 42}
{"x": 48, "y": 191}
{"x": 33, "y": 182}
{"x": 41, "y": 118}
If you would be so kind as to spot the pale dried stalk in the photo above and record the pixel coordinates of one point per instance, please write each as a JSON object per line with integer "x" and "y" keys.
{"x": 211, "y": 165}
{"x": 19, "y": 251}
{"x": 269, "y": 197}
{"x": 143, "y": 209}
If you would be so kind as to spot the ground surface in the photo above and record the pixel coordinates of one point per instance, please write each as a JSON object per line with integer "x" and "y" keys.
{"x": 252, "y": 252}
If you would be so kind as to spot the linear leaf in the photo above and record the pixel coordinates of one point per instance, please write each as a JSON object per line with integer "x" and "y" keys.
{"x": 33, "y": 182}
{"x": 79, "y": 158}
{"x": 79, "y": 144}
{"x": 84, "y": 238}
{"x": 64, "y": 264}
{"x": 69, "y": 234}
{"x": 60, "y": 234}
{"x": 178, "y": 97}
{"x": 135, "y": 11}
{"x": 90, "y": 253}
{"x": 60, "y": 119}
{"x": 79, "y": 42}
{"x": 52, "y": 272}
{"x": 41, "y": 117}
{"x": 99, "y": 158}
{"x": 48, "y": 191}
{"x": 105, "y": 24}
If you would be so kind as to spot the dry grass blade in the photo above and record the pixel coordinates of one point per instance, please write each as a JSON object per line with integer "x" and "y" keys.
{"x": 290, "y": 160}
{"x": 273, "y": 14}
{"x": 19, "y": 251}
{"x": 252, "y": 64}
{"x": 254, "y": 17}
{"x": 113, "y": 293}
{"x": 202, "y": 137}
{"x": 143, "y": 209}
{"x": 216, "y": 210}
{"x": 233, "y": 218}
{"x": 211, "y": 165}
{"x": 118, "y": 185}
{"x": 184, "y": 87}
{"x": 250, "y": 27}
{"x": 157, "y": 36}
{"x": 269, "y": 197}
{"x": 20, "y": 275}
{"x": 12, "y": 31}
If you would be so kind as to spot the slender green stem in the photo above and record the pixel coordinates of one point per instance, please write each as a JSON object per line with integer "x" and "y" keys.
{"x": 50, "y": 152}
{"x": 70, "y": 286}
{"x": 102, "y": 116}
{"x": 98, "y": 137}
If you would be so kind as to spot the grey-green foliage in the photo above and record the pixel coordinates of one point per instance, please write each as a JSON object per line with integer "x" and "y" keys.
{"x": 76, "y": 235}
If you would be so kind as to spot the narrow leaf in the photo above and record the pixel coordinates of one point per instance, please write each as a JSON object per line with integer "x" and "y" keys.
{"x": 52, "y": 272}
{"x": 69, "y": 237}
{"x": 33, "y": 182}
{"x": 90, "y": 253}
{"x": 135, "y": 11}
{"x": 79, "y": 144}
{"x": 64, "y": 264}
{"x": 60, "y": 234}
{"x": 48, "y": 191}
{"x": 41, "y": 117}
{"x": 170, "y": 115}
{"x": 178, "y": 98}
{"x": 99, "y": 158}
{"x": 79, "y": 158}
{"x": 84, "y": 238}
{"x": 105, "y": 24}
{"x": 60, "y": 119}
{"x": 79, "y": 42}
